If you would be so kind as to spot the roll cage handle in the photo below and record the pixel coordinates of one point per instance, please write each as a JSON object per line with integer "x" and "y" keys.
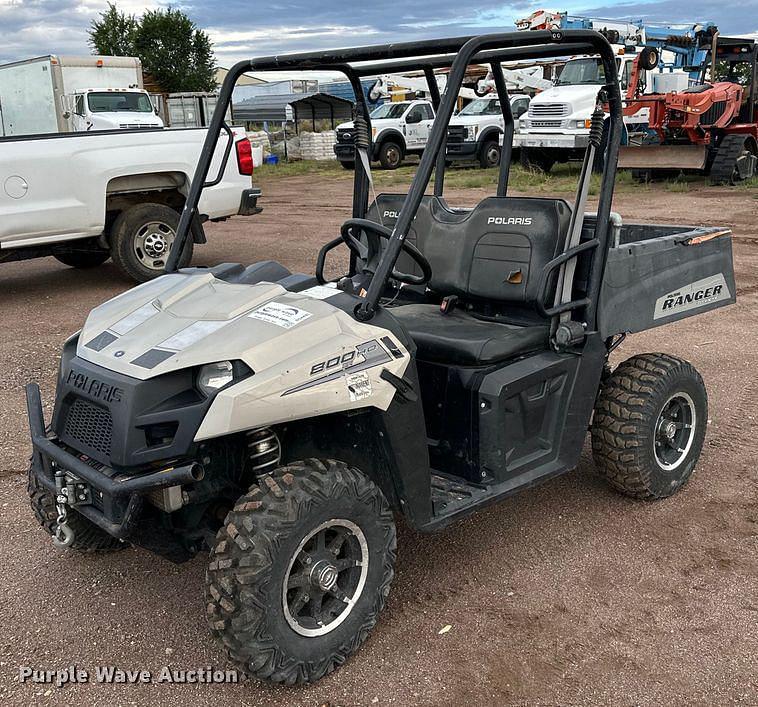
{"x": 544, "y": 281}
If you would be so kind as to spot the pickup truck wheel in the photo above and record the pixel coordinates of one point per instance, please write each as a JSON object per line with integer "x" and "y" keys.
{"x": 85, "y": 258}
{"x": 347, "y": 165}
{"x": 649, "y": 425}
{"x": 300, "y": 571}
{"x": 88, "y": 538}
{"x": 489, "y": 154}
{"x": 141, "y": 240}
{"x": 390, "y": 155}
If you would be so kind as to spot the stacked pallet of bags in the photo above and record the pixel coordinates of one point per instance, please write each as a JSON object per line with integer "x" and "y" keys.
{"x": 317, "y": 146}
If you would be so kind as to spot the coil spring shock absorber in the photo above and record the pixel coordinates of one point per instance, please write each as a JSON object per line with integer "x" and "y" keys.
{"x": 264, "y": 452}
{"x": 360, "y": 126}
{"x": 596, "y": 126}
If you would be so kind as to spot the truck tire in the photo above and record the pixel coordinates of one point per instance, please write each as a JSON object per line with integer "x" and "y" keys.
{"x": 84, "y": 258}
{"x": 536, "y": 159}
{"x": 390, "y": 155}
{"x": 649, "y": 425}
{"x": 308, "y": 525}
{"x": 347, "y": 165}
{"x": 88, "y": 538}
{"x": 141, "y": 239}
{"x": 489, "y": 154}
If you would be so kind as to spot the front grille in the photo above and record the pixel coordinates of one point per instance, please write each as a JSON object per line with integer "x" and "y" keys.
{"x": 539, "y": 110}
{"x": 90, "y": 425}
{"x": 345, "y": 136}
{"x": 132, "y": 126}
{"x": 546, "y": 124}
{"x": 713, "y": 113}
{"x": 456, "y": 133}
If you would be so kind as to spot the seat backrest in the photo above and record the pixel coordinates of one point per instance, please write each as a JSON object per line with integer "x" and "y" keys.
{"x": 494, "y": 251}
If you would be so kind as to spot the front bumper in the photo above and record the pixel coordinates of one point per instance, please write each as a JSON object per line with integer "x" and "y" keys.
{"x": 567, "y": 141}
{"x": 461, "y": 150}
{"x": 344, "y": 152}
{"x": 115, "y": 498}
{"x": 249, "y": 202}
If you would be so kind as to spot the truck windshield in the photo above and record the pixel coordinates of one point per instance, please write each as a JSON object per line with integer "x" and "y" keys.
{"x": 119, "y": 102}
{"x": 482, "y": 106}
{"x": 579, "y": 72}
{"x": 389, "y": 110}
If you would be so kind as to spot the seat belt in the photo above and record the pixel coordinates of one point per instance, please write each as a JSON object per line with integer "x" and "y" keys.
{"x": 565, "y": 285}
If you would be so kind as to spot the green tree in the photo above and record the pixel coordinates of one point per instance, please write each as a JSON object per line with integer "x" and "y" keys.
{"x": 171, "y": 48}
{"x": 113, "y": 33}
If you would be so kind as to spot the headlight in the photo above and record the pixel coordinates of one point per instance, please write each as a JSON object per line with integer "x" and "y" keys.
{"x": 213, "y": 376}
{"x": 526, "y": 123}
{"x": 471, "y": 132}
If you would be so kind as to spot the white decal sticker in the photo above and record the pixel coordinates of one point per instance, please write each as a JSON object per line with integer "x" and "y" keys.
{"x": 282, "y": 315}
{"x": 320, "y": 292}
{"x": 697, "y": 294}
{"x": 134, "y": 319}
{"x": 358, "y": 385}
{"x": 191, "y": 335}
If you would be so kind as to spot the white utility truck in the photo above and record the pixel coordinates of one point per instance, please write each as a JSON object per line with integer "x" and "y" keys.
{"x": 557, "y": 125}
{"x": 475, "y": 132}
{"x": 398, "y": 129}
{"x": 59, "y": 94}
{"x": 87, "y": 197}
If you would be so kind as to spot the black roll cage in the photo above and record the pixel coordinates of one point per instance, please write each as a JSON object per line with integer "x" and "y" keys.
{"x": 455, "y": 54}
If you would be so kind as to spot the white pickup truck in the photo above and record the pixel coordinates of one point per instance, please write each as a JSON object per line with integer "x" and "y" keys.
{"x": 475, "y": 132}
{"x": 398, "y": 129}
{"x": 87, "y": 197}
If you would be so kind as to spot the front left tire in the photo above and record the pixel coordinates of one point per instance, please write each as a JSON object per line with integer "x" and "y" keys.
{"x": 300, "y": 571}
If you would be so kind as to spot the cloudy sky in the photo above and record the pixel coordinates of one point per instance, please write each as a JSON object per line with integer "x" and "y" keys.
{"x": 241, "y": 29}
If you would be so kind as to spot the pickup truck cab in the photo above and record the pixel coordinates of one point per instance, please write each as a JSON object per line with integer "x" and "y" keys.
{"x": 475, "y": 132}
{"x": 87, "y": 197}
{"x": 398, "y": 129}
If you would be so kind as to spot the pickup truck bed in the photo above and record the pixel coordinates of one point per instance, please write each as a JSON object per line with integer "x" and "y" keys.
{"x": 67, "y": 194}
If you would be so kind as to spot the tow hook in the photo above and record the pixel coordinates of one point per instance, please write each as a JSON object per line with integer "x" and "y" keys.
{"x": 69, "y": 492}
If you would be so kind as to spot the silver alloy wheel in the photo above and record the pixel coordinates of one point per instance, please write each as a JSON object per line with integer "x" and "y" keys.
{"x": 325, "y": 577}
{"x": 152, "y": 244}
{"x": 674, "y": 431}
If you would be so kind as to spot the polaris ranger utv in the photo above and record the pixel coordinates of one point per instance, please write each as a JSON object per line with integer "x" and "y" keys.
{"x": 281, "y": 420}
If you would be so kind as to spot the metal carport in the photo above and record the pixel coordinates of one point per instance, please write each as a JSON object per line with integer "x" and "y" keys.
{"x": 305, "y": 106}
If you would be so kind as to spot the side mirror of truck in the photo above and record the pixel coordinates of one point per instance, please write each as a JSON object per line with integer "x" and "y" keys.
{"x": 413, "y": 117}
{"x": 66, "y": 115}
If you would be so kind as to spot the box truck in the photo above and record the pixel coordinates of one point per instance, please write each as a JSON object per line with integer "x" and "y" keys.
{"x": 59, "y": 94}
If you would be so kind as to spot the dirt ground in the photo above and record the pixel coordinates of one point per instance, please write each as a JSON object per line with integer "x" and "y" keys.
{"x": 567, "y": 594}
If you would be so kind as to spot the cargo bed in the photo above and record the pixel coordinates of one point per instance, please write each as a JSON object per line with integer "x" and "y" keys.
{"x": 657, "y": 274}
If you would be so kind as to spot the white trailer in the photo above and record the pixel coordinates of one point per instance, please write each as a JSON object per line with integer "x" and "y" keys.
{"x": 59, "y": 94}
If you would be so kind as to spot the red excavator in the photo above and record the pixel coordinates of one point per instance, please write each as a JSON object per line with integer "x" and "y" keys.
{"x": 711, "y": 128}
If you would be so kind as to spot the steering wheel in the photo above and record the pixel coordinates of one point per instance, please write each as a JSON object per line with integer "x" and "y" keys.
{"x": 365, "y": 253}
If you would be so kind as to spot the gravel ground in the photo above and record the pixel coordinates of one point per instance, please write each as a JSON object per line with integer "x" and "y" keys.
{"x": 566, "y": 594}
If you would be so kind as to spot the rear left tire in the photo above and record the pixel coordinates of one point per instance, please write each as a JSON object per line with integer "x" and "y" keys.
{"x": 300, "y": 571}
{"x": 141, "y": 239}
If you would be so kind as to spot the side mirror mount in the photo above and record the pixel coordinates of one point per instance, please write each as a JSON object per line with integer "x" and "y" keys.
{"x": 66, "y": 115}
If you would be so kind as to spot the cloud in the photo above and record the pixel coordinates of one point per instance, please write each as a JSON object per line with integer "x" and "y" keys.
{"x": 241, "y": 29}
